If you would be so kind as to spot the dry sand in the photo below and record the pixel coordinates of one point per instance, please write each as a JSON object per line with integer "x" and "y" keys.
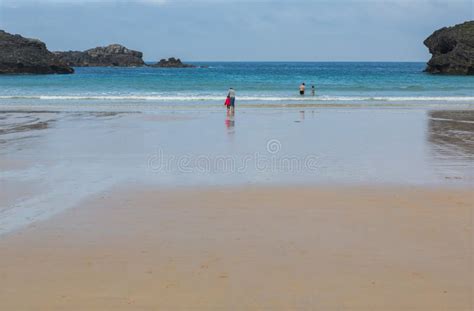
{"x": 275, "y": 248}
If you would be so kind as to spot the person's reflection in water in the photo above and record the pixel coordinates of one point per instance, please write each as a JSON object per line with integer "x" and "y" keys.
{"x": 230, "y": 122}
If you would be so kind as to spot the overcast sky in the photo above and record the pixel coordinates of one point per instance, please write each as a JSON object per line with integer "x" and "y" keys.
{"x": 299, "y": 30}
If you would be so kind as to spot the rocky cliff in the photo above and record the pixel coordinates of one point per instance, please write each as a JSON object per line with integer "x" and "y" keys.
{"x": 172, "y": 63}
{"x": 23, "y": 55}
{"x": 452, "y": 49}
{"x": 108, "y": 56}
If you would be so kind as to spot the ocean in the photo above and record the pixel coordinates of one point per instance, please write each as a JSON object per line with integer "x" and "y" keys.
{"x": 258, "y": 84}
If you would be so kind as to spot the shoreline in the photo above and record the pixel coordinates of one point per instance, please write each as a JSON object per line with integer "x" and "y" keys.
{"x": 247, "y": 247}
{"x": 36, "y": 103}
{"x": 154, "y": 108}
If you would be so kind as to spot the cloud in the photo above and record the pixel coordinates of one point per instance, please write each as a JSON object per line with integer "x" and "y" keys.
{"x": 240, "y": 29}
{"x": 17, "y": 3}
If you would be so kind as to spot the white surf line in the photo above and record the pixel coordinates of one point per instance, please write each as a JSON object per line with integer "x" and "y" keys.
{"x": 190, "y": 97}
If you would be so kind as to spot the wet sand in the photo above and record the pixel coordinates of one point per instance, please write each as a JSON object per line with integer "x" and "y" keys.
{"x": 91, "y": 219}
{"x": 323, "y": 248}
{"x": 53, "y": 160}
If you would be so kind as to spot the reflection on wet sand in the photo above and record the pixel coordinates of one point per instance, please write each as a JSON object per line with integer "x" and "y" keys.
{"x": 451, "y": 138}
{"x": 230, "y": 122}
{"x": 303, "y": 114}
{"x": 16, "y": 126}
{"x": 20, "y": 125}
{"x": 106, "y": 115}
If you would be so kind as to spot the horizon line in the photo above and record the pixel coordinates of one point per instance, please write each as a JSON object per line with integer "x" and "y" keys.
{"x": 296, "y": 61}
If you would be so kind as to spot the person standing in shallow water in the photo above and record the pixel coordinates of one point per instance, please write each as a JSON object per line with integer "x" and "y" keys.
{"x": 231, "y": 95}
{"x": 302, "y": 88}
{"x": 313, "y": 90}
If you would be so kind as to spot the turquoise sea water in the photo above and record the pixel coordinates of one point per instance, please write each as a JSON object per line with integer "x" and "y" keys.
{"x": 257, "y": 83}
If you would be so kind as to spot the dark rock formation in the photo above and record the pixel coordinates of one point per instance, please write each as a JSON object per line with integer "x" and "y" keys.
{"x": 108, "y": 56}
{"x": 172, "y": 63}
{"x": 23, "y": 55}
{"x": 452, "y": 49}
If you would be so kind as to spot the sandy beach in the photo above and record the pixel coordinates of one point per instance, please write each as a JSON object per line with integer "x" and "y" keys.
{"x": 142, "y": 248}
{"x": 328, "y": 209}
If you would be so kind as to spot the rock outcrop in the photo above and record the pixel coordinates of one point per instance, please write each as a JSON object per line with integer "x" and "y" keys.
{"x": 19, "y": 55}
{"x": 172, "y": 63}
{"x": 114, "y": 55}
{"x": 452, "y": 49}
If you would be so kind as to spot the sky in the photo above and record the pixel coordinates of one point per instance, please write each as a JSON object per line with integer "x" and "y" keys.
{"x": 240, "y": 30}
